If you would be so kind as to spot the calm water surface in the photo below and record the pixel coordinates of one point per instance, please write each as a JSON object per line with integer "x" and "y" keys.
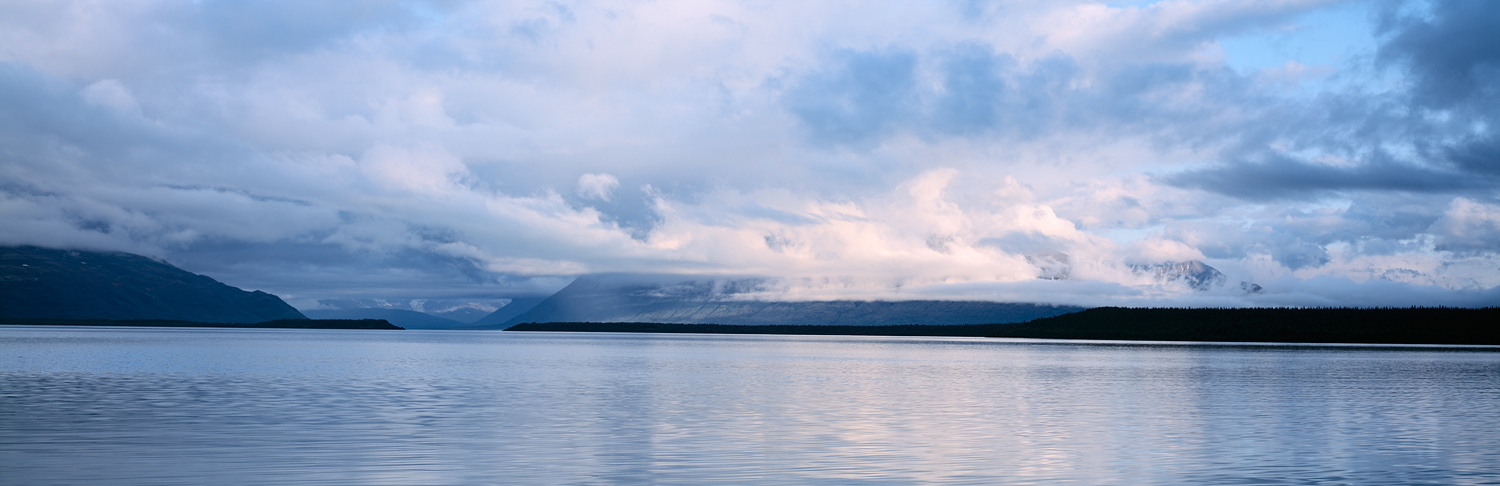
{"x": 218, "y": 406}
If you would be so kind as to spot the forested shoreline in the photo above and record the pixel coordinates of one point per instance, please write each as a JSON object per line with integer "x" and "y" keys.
{"x": 1423, "y": 325}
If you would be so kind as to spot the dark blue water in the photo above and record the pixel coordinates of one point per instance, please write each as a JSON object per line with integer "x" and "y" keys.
{"x": 213, "y": 406}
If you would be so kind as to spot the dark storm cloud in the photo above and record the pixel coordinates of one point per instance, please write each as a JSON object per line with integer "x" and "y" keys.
{"x": 1480, "y": 155}
{"x": 984, "y": 92}
{"x": 860, "y": 97}
{"x": 1454, "y": 57}
{"x": 864, "y": 96}
{"x": 974, "y": 89}
{"x": 1453, "y": 62}
{"x": 1277, "y": 176}
{"x": 1446, "y": 114}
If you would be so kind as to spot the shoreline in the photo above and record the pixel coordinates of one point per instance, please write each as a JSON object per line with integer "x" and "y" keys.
{"x": 375, "y": 324}
{"x": 1438, "y": 326}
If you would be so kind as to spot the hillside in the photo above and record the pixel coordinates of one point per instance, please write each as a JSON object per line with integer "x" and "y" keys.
{"x": 49, "y": 283}
{"x": 276, "y": 324}
{"x": 501, "y": 316}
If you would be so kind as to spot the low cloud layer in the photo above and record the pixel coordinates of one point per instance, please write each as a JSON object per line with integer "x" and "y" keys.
{"x": 1016, "y": 151}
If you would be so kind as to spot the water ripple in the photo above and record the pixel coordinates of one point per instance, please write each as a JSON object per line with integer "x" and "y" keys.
{"x": 144, "y": 406}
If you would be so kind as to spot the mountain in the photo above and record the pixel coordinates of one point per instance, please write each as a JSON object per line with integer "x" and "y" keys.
{"x": 461, "y": 315}
{"x": 460, "y": 311}
{"x": 686, "y": 300}
{"x": 50, "y": 283}
{"x": 1197, "y": 275}
{"x": 499, "y": 318}
{"x": 400, "y": 317}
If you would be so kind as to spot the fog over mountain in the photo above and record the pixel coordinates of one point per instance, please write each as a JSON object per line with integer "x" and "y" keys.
{"x": 685, "y": 300}
{"x": 455, "y": 310}
{"x": 1308, "y": 152}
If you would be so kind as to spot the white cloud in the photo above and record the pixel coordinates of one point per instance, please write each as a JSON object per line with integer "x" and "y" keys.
{"x": 1469, "y": 226}
{"x": 111, "y": 94}
{"x": 850, "y": 149}
{"x": 597, "y": 186}
{"x": 1155, "y": 250}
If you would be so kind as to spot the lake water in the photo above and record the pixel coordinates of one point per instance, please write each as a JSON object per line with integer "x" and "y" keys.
{"x": 220, "y": 406}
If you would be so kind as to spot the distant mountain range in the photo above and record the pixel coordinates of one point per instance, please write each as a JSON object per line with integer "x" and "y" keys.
{"x": 404, "y": 318}
{"x": 426, "y": 314}
{"x": 50, "y": 283}
{"x": 66, "y": 284}
{"x": 1197, "y": 275}
{"x": 694, "y": 300}
{"x": 460, "y": 311}
{"x": 516, "y": 307}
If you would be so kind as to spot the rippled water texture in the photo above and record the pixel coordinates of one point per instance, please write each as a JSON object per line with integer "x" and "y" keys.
{"x": 220, "y": 406}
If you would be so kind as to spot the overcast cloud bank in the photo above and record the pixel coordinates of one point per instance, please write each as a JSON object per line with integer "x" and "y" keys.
{"x": 1014, "y": 151}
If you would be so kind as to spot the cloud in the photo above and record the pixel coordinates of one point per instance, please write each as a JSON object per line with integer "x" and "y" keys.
{"x": 1468, "y": 227}
{"x": 1279, "y": 176}
{"x": 473, "y": 149}
{"x": 1149, "y": 251}
{"x": 968, "y": 90}
{"x": 1162, "y": 29}
{"x": 1450, "y": 54}
{"x": 111, "y": 94}
{"x": 864, "y": 95}
{"x": 597, "y": 186}
{"x": 1432, "y": 131}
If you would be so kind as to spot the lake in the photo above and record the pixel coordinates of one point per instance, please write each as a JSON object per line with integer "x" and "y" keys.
{"x": 231, "y": 406}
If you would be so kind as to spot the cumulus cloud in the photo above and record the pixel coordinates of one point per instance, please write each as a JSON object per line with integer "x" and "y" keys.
{"x": 1156, "y": 250}
{"x": 597, "y": 186}
{"x": 111, "y": 94}
{"x": 1468, "y": 227}
{"x": 1005, "y": 150}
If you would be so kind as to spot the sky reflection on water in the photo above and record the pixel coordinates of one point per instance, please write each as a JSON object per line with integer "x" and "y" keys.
{"x": 195, "y": 406}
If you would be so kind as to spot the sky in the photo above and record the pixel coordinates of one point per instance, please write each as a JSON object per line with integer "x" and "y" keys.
{"x": 1333, "y": 153}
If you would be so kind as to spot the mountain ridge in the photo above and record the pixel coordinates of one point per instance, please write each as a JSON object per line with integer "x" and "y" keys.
{"x": 38, "y": 282}
{"x": 678, "y": 299}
